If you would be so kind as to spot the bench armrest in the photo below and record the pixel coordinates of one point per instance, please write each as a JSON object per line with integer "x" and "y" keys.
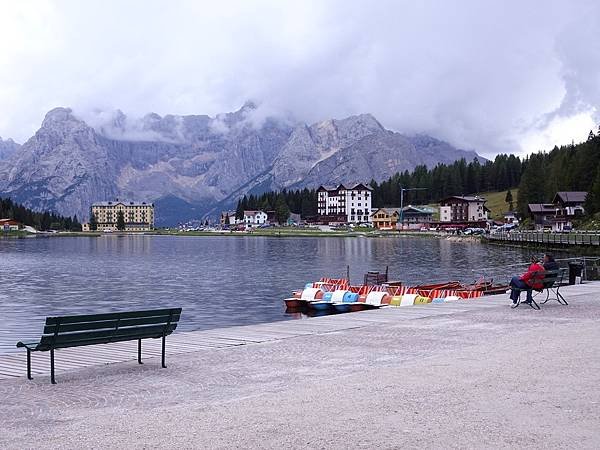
{"x": 28, "y": 345}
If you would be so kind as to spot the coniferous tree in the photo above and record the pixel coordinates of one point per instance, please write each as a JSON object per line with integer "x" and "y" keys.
{"x": 120, "y": 221}
{"x": 509, "y": 199}
{"x": 282, "y": 212}
{"x": 592, "y": 201}
{"x": 93, "y": 222}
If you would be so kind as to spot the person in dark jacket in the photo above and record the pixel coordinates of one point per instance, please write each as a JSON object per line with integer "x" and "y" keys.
{"x": 529, "y": 280}
{"x": 549, "y": 263}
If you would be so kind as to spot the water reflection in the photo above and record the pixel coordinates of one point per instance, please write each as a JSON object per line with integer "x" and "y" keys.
{"x": 219, "y": 281}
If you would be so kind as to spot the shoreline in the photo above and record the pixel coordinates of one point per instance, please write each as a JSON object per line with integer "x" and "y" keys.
{"x": 261, "y": 233}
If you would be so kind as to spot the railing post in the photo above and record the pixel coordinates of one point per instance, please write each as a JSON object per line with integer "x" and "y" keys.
{"x": 140, "y": 351}
{"x": 29, "y": 377}
{"x": 52, "y": 380}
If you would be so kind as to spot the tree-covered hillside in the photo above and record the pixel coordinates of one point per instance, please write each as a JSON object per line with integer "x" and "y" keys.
{"x": 459, "y": 178}
{"x": 566, "y": 168}
{"x": 39, "y": 220}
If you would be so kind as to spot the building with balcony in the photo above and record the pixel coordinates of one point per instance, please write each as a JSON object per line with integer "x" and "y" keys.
{"x": 344, "y": 204}
{"x": 558, "y": 215}
{"x": 415, "y": 217}
{"x": 228, "y": 218}
{"x": 7, "y": 225}
{"x": 255, "y": 218}
{"x": 138, "y": 216}
{"x": 463, "y": 209}
{"x": 385, "y": 218}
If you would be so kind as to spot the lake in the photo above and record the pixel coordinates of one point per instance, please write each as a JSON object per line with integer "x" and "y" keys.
{"x": 219, "y": 281}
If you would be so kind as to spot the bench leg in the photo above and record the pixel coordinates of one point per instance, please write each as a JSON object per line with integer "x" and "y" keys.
{"x": 534, "y": 305}
{"x": 29, "y": 377}
{"x": 52, "y": 380}
{"x": 164, "y": 340}
{"x": 564, "y": 302}
{"x": 140, "y": 351}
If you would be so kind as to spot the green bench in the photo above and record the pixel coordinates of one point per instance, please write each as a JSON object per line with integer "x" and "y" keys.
{"x": 551, "y": 281}
{"x": 77, "y": 331}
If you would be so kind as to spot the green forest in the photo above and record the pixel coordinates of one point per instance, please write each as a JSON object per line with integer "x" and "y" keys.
{"x": 43, "y": 221}
{"x": 538, "y": 177}
{"x": 566, "y": 168}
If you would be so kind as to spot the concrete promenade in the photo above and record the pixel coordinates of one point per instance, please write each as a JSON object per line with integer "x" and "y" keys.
{"x": 473, "y": 373}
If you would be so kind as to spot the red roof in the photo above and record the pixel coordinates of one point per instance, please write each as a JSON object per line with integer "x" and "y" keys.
{"x": 9, "y": 222}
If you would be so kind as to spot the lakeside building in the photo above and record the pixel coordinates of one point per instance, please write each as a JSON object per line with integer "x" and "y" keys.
{"x": 463, "y": 209}
{"x": 228, "y": 218}
{"x": 344, "y": 204}
{"x": 254, "y": 218}
{"x": 511, "y": 217}
{"x": 416, "y": 217}
{"x": 139, "y": 216}
{"x": 7, "y": 225}
{"x": 385, "y": 218}
{"x": 558, "y": 215}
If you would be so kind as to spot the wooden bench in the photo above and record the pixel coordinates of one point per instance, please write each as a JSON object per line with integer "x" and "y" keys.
{"x": 551, "y": 281}
{"x": 77, "y": 331}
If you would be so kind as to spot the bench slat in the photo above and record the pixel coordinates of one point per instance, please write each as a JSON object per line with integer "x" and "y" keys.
{"x": 104, "y": 336}
{"x": 112, "y": 324}
{"x": 102, "y": 341}
{"x": 112, "y": 316}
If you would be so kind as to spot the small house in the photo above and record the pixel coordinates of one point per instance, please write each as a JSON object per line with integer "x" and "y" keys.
{"x": 255, "y": 218}
{"x": 7, "y": 225}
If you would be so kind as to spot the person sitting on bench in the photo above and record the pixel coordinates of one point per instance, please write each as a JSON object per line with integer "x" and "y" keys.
{"x": 526, "y": 282}
{"x": 549, "y": 263}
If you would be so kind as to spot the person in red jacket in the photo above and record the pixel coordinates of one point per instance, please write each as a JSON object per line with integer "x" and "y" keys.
{"x": 532, "y": 279}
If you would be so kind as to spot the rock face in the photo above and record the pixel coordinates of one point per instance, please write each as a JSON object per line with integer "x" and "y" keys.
{"x": 193, "y": 165}
{"x": 7, "y": 148}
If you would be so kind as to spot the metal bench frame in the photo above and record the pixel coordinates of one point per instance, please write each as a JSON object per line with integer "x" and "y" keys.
{"x": 552, "y": 285}
{"x": 91, "y": 329}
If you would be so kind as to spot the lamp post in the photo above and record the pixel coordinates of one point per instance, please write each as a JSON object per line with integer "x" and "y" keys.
{"x": 402, "y": 202}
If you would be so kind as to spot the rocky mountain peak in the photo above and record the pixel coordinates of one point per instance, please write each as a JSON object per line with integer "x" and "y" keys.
{"x": 7, "y": 148}
{"x": 62, "y": 122}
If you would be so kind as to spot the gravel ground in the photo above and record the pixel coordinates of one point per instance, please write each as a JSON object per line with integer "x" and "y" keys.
{"x": 492, "y": 377}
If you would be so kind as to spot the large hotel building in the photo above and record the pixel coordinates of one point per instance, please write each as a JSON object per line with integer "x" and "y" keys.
{"x": 139, "y": 216}
{"x": 344, "y": 204}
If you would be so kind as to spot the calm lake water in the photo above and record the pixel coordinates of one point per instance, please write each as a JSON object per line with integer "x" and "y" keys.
{"x": 219, "y": 281}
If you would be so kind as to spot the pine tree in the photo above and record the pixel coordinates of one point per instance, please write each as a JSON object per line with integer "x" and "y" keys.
{"x": 282, "y": 212}
{"x": 592, "y": 201}
{"x": 509, "y": 199}
{"x": 591, "y": 135}
{"x": 93, "y": 222}
{"x": 120, "y": 221}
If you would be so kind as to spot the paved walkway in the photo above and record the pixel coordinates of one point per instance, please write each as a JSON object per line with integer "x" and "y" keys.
{"x": 468, "y": 374}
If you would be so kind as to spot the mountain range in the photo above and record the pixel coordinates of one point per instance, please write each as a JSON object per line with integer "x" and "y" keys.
{"x": 192, "y": 166}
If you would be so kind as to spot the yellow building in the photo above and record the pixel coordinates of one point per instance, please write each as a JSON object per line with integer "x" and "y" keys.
{"x": 138, "y": 216}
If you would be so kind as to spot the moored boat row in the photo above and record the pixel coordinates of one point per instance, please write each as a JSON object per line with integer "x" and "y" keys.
{"x": 337, "y": 295}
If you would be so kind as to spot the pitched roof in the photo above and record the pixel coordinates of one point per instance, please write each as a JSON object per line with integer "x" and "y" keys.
{"x": 538, "y": 208}
{"x": 466, "y": 198}
{"x": 388, "y": 211}
{"x": 9, "y": 222}
{"x": 124, "y": 203}
{"x": 418, "y": 209}
{"x": 570, "y": 196}
{"x": 251, "y": 213}
{"x": 359, "y": 186}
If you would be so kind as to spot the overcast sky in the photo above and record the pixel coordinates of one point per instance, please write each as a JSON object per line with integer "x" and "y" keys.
{"x": 493, "y": 76}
